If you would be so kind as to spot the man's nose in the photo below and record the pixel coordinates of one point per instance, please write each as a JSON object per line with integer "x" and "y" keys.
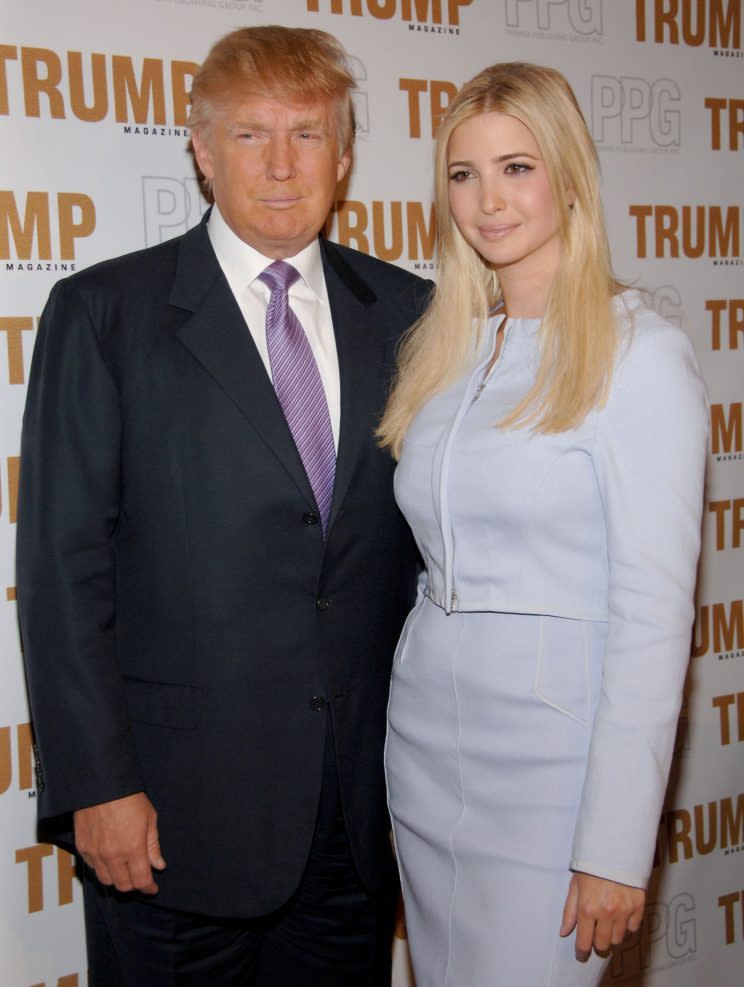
{"x": 280, "y": 158}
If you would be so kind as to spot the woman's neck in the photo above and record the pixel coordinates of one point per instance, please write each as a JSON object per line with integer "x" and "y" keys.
{"x": 524, "y": 298}
{"x": 526, "y": 285}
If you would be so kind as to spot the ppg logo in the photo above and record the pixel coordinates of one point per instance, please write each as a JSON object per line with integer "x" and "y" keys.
{"x": 666, "y": 301}
{"x": 360, "y": 98}
{"x": 171, "y": 207}
{"x": 627, "y": 110}
{"x": 667, "y": 937}
{"x": 580, "y": 16}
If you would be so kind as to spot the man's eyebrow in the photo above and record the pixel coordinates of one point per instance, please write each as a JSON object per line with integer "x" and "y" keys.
{"x": 314, "y": 123}
{"x": 246, "y": 125}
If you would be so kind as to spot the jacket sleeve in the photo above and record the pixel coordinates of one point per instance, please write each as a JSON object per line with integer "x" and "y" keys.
{"x": 68, "y": 511}
{"x": 649, "y": 459}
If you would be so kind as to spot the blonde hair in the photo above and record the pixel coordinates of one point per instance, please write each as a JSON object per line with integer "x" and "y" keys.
{"x": 578, "y": 332}
{"x": 293, "y": 64}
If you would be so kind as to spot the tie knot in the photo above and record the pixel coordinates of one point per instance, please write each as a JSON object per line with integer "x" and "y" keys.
{"x": 280, "y": 274}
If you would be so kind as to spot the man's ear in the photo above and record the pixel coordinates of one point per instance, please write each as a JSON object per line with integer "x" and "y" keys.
{"x": 343, "y": 165}
{"x": 202, "y": 154}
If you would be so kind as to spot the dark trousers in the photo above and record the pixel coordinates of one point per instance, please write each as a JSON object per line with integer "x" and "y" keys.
{"x": 331, "y": 933}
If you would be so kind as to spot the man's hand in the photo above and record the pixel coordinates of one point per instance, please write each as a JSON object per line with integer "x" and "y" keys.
{"x": 119, "y": 841}
{"x": 602, "y": 912}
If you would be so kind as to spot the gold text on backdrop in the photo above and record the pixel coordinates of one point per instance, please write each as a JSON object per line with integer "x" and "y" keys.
{"x": 716, "y": 23}
{"x": 22, "y": 226}
{"x": 423, "y": 11}
{"x": 33, "y": 857}
{"x": 136, "y": 98}
{"x": 722, "y": 309}
{"x": 688, "y": 231}
{"x": 722, "y": 626}
{"x": 729, "y": 526}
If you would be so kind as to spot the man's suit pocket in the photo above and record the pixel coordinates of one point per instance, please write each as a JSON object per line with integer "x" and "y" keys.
{"x": 164, "y": 704}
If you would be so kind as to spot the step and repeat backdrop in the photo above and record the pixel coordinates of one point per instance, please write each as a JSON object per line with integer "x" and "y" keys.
{"x": 93, "y": 117}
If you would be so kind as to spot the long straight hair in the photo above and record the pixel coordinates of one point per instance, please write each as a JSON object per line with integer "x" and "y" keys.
{"x": 577, "y": 332}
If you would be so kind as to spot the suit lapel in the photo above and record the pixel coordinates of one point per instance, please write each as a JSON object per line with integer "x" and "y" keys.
{"x": 360, "y": 346}
{"x": 216, "y": 334}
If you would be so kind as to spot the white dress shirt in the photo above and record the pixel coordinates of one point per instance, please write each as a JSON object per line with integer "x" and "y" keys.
{"x": 241, "y": 264}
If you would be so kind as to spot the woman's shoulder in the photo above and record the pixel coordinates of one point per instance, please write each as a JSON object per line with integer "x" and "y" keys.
{"x": 656, "y": 358}
{"x": 645, "y": 335}
{"x": 635, "y": 318}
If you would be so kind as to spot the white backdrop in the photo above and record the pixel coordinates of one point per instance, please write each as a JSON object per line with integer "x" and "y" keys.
{"x": 94, "y": 164}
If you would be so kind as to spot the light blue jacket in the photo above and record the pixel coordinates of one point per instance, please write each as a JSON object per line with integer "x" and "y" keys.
{"x": 599, "y": 523}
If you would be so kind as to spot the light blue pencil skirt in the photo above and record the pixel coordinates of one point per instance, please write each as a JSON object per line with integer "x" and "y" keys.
{"x": 488, "y": 731}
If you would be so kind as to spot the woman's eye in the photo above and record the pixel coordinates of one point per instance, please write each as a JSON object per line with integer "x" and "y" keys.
{"x": 460, "y": 176}
{"x": 517, "y": 168}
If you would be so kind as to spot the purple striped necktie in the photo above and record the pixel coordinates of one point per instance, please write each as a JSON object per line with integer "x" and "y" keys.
{"x": 298, "y": 386}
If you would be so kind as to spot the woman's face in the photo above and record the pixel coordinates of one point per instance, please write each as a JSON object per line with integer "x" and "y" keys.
{"x": 500, "y": 196}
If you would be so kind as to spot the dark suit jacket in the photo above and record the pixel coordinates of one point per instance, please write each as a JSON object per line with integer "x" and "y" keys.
{"x": 186, "y": 629}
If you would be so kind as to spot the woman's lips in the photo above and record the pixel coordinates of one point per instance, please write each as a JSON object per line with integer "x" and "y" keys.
{"x": 496, "y": 232}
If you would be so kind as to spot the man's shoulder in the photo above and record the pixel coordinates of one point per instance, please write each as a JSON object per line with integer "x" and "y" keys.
{"x": 368, "y": 266}
{"x": 386, "y": 282}
{"x": 124, "y": 297}
{"x": 149, "y": 265}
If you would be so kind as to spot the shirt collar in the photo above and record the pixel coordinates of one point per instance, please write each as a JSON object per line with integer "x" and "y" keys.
{"x": 242, "y": 263}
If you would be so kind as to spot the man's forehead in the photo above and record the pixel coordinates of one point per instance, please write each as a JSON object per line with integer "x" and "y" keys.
{"x": 275, "y": 112}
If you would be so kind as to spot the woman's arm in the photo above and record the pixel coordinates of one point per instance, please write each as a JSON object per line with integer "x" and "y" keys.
{"x": 649, "y": 459}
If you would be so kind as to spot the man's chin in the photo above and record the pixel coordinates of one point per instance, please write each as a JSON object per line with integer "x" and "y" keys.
{"x": 279, "y": 244}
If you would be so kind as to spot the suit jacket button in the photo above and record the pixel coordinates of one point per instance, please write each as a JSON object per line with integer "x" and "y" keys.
{"x": 310, "y": 518}
{"x": 323, "y": 603}
{"x": 317, "y": 703}
{"x": 40, "y": 783}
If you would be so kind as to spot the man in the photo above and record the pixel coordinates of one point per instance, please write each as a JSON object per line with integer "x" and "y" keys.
{"x": 212, "y": 571}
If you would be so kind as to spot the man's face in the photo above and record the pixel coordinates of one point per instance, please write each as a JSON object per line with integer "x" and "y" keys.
{"x": 274, "y": 168}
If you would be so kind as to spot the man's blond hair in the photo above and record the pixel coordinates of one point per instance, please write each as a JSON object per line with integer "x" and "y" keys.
{"x": 291, "y": 64}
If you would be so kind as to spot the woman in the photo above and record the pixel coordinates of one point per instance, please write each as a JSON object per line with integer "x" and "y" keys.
{"x": 551, "y": 433}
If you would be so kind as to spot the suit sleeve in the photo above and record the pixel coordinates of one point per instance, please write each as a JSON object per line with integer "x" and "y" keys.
{"x": 68, "y": 511}
{"x": 649, "y": 460}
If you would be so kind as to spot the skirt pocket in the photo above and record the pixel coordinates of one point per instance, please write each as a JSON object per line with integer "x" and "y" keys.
{"x": 400, "y": 651}
{"x": 566, "y": 672}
